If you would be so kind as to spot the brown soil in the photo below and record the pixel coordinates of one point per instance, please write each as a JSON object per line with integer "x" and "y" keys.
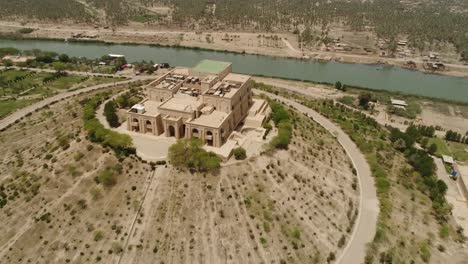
{"x": 295, "y": 205}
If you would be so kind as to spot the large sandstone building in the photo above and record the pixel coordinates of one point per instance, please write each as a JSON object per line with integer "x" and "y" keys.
{"x": 207, "y": 102}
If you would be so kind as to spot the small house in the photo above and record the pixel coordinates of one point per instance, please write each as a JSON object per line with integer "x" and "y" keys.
{"x": 399, "y": 103}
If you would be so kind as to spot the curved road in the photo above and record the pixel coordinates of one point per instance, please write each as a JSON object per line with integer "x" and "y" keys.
{"x": 18, "y": 115}
{"x": 366, "y": 222}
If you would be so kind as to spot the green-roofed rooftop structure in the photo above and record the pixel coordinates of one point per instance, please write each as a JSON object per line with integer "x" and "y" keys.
{"x": 219, "y": 68}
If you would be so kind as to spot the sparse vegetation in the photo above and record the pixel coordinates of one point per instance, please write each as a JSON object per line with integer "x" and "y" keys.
{"x": 388, "y": 166}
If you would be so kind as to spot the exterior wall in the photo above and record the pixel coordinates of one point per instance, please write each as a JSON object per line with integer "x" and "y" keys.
{"x": 174, "y": 128}
{"x": 172, "y": 113}
{"x": 219, "y": 103}
{"x": 159, "y": 95}
{"x": 218, "y": 135}
{"x": 177, "y": 123}
{"x": 145, "y": 124}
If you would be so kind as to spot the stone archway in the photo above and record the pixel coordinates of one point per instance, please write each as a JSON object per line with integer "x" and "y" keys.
{"x": 172, "y": 131}
{"x": 135, "y": 127}
{"x": 182, "y": 131}
{"x": 195, "y": 133}
{"x": 209, "y": 138}
{"x": 149, "y": 126}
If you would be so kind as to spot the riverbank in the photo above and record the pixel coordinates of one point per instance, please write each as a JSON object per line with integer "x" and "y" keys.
{"x": 282, "y": 45}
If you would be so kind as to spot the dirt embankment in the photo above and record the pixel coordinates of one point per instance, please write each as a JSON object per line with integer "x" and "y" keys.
{"x": 270, "y": 44}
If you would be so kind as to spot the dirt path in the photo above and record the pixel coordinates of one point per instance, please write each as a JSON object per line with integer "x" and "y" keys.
{"x": 454, "y": 196}
{"x": 288, "y": 44}
{"x": 365, "y": 227}
{"x": 145, "y": 207}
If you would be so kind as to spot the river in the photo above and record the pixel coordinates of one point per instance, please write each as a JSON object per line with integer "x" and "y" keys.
{"x": 376, "y": 77}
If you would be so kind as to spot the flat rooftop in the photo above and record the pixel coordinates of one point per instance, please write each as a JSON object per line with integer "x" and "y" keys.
{"x": 238, "y": 78}
{"x": 214, "y": 119}
{"x": 151, "y": 108}
{"x": 182, "y": 103}
{"x": 210, "y": 66}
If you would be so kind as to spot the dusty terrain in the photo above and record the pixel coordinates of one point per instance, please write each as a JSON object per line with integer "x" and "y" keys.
{"x": 296, "y": 206}
{"x": 271, "y": 44}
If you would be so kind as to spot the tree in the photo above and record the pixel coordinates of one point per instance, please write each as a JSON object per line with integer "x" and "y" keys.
{"x": 240, "y": 153}
{"x": 110, "y": 114}
{"x": 338, "y": 85}
{"x": 7, "y": 63}
{"x": 64, "y": 58}
{"x": 364, "y": 100}
{"x": 432, "y": 149}
{"x": 399, "y": 144}
{"x": 189, "y": 154}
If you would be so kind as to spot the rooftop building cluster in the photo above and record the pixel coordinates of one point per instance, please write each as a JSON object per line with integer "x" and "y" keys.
{"x": 207, "y": 102}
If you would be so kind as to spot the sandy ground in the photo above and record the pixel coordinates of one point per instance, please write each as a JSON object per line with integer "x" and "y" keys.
{"x": 246, "y": 213}
{"x": 294, "y": 206}
{"x": 272, "y": 44}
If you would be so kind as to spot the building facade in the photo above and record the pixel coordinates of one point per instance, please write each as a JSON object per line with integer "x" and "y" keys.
{"x": 207, "y": 102}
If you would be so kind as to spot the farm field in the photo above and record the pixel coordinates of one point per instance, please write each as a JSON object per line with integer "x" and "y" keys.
{"x": 20, "y": 88}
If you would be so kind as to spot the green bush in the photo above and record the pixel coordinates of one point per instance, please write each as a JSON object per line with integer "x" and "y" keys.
{"x": 189, "y": 154}
{"x": 282, "y": 120}
{"x": 110, "y": 114}
{"x": 25, "y": 30}
{"x": 281, "y": 141}
{"x": 121, "y": 144}
{"x": 107, "y": 178}
{"x": 239, "y": 153}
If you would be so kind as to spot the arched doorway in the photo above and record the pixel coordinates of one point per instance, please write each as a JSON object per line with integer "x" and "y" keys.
{"x": 209, "y": 138}
{"x": 135, "y": 125}
{"x": 171, "y": 131}
{"x": 182, "y": 131}
{"x": 195, "y": 133}
{"x": 149, "y": 126}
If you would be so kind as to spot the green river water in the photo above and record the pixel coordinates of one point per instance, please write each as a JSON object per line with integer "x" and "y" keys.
{"x": 376, "y": 77}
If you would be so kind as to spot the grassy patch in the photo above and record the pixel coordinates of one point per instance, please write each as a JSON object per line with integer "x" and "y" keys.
{"x": 146, "y": 18}
{"x": 9, "y": 106}
{"x": 457, "y": 150}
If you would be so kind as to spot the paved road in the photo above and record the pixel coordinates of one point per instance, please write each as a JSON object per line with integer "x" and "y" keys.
{"x": 365, "y": 227}
{"x": 11, "y": 119}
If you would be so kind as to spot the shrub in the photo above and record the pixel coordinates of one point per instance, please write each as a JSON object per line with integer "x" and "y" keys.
{"x": 188, "y": 153}
{"x": 282, "y": 121}
{"x": 121, "y": 144}
{"x": 110, "y": 114}
{"x": 444, "y": 231}
{"x": 98, "y": 235}
{"x": 281, "y": 141}
{"x": 25, "y": 30}
{"x": 107, "y": 178}
{"x": 296, "y": 233}
{"x": 240, "y": 153}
